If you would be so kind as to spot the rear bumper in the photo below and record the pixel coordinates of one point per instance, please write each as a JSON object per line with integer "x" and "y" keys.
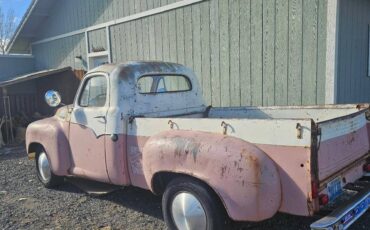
{"x": 348, "y": 212}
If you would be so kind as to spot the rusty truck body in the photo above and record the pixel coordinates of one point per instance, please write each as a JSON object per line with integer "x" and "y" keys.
{"x": 146, "y": 124}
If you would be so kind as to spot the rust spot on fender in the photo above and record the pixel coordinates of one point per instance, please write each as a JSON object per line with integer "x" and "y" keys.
{"x": 186, "y": 145}
{"x": 223, "y": 170}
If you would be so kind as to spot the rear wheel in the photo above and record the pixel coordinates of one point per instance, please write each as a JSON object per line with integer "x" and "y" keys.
{"x": 44, "y": 173}
{"x": 189, "y": 204}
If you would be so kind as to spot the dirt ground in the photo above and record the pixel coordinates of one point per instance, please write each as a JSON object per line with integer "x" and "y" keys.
{"x": 26, "y": 204}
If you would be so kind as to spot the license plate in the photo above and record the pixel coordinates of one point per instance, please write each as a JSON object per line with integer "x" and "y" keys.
{"x": 334, "y": 188}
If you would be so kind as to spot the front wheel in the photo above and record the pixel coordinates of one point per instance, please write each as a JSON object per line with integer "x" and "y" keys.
{"x": 189, "y": 204}
{"x": 44, "y": 173}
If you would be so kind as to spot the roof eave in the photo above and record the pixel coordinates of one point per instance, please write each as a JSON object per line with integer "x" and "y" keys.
{"x": 33, "y": 75}
{"x": 21, "y": 25}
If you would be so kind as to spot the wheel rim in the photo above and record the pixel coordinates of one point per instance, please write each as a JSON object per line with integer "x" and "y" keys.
{"x": 188, "y": 212}
{"x": 44, "y": 167}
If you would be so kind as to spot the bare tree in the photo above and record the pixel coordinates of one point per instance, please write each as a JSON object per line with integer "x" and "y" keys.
{"x": 7, "y": 28}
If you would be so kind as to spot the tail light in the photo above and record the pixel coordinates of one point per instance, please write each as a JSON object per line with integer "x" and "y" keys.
{"x": 323, "y": 199}
{"x": 315, "y": 189}
{"x": 367, "y": 167}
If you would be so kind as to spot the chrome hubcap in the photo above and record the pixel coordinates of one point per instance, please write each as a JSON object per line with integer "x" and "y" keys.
{"x": 188, "y": 212}
{"x": 44, "y": 168}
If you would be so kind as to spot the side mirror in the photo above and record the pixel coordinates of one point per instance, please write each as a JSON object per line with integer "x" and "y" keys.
{"x": 53, "y": 98}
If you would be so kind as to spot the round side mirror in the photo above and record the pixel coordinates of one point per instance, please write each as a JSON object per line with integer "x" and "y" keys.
{"x": 53, "y": 98}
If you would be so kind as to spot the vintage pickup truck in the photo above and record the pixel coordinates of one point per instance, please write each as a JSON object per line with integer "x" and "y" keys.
{"x": 146, "y": 124}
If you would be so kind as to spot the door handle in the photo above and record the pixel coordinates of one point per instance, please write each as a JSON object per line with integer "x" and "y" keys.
{"x": 103, "y": 117}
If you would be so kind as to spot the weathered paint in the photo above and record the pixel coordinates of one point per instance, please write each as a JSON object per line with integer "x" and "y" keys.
{"x": 350, "y": 175}
{"x": 255, "y": 152}
{"x": 294, "y": 166}
{"x": 116, "y": 160}
{"x": 244, "y": 177}
{"x": 280, "y": 132}
{"x": 88, "y": 155}
{"x": 91, "y": 117}
{"x": 244, "y": 52}
{"x": 316, "y": 113}
{"x": 108, "y": 157}
{"x": 337, "y": 152}
{"x": 53, "y": 134}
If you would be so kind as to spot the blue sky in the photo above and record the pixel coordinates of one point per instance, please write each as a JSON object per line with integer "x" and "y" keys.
{"x": 19, "y": 6}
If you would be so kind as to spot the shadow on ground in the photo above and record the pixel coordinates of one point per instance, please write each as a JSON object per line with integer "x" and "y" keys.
{"x": 144, "y": 201}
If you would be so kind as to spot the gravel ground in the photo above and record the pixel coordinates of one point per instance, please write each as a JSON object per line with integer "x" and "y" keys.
{"x": 25, "y": 204}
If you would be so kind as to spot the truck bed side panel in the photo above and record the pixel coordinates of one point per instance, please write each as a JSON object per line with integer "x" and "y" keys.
{"x": 277, "y": 138}
{"x": 342, "y": 141}
{"x": 294, "y": 169}
{"x": 245, "y": 178}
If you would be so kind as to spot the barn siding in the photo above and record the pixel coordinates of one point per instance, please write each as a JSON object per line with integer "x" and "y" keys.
{"x": 245, "y": 52}
{"x": 60, "y": 53}
{"x": 353, "y": 82}
{"x": 15, "y": 65}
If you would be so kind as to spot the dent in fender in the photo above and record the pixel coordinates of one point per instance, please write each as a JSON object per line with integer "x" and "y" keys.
{"x": 244, "y": 177}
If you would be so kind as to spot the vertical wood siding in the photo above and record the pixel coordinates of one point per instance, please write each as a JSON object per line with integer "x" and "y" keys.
{"x": 353, "y": 83}
{"x": 11, "y": 66}
{"x": 70, "y": 15}
{"x": 97, "y": 40}
{"x": 245, "y": 52}
{"x": 60, "y": 53}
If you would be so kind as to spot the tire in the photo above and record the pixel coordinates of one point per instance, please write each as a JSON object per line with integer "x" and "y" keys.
{"x": 44, "y": 172}
{"x": 184, "y": 194}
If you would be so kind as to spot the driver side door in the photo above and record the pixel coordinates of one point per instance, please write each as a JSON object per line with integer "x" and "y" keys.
{"x": 88, "y": 127}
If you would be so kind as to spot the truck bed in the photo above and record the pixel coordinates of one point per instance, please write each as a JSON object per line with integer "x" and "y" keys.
{"x": 344, "y": 136}
{"x": 300, "y": 154}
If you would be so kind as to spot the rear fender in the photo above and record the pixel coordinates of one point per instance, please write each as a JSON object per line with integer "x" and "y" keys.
{"x": 51, "y": 134}
{"x": 243, "y": 176}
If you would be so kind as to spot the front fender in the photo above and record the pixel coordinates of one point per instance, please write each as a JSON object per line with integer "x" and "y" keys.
{"x": 244, "y": 177}
{"x": 51, "y": 133}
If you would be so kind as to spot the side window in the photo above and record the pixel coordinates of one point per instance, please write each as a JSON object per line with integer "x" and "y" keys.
{"x": 145, "y": 84}
{"x": 94, "y": 93}
{"x": 163, "y": 84}
{"x": 161, "y": 88}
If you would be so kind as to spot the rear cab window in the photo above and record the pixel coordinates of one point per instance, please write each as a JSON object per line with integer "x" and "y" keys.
{"x": 154, "y": 84}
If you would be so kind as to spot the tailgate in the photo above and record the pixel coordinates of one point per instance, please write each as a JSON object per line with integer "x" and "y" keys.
{"x": 342, "y": 141}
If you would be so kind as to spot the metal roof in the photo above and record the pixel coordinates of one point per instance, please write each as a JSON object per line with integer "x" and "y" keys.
{"x": 34, "y": 75}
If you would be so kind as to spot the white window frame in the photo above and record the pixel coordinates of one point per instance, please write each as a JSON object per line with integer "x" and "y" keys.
{"x": 92, "y": 55}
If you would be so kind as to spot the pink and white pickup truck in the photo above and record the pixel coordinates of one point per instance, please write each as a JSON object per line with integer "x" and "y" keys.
{"x": 146, "y": 124}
